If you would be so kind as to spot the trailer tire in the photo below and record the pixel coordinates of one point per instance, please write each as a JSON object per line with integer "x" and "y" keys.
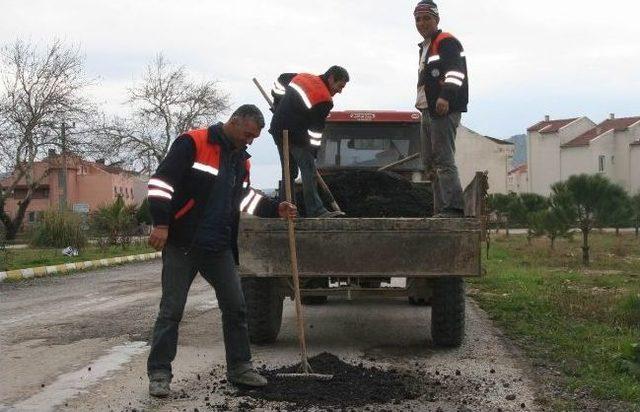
{"x": 314, "y": 283}
{"x": 264, "y": 309}
{"x": 418, "y": 301}
{"x": 447, "y": 311}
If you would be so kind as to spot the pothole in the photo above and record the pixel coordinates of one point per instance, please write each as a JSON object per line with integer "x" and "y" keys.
{"x": 351, "y": 386}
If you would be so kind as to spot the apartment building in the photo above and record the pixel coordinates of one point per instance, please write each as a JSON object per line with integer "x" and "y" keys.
{"x": 558, "y": 149}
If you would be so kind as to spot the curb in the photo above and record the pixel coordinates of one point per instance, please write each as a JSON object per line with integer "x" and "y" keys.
{"x": 64, "y": 268}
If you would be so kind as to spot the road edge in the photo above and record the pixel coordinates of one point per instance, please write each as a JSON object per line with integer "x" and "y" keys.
{"x": 66, "y": 268}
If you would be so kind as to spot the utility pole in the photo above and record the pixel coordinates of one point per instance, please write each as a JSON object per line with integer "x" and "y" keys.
{"x": 63, "y": 200}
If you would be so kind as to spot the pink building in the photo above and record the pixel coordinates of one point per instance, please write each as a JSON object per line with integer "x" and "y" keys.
{"x": 89, "y": 186}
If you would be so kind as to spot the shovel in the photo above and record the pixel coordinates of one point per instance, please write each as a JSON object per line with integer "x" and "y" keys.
{"x": 306, "y": 372}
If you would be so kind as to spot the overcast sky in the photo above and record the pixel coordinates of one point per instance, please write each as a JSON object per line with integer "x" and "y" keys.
{"x": 526, "y": 58}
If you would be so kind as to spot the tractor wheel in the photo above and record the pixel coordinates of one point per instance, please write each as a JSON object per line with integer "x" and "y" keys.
{"x": 447, "y": 311}
{"x": 264, "y": 309}
{"x": 314, "y": 283}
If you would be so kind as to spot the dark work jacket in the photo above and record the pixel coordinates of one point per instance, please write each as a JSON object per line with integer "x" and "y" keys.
{"x": 302, "y": 103}
{"x": 180, "y": 189}
{"x": 445, "y": 73}
{"x": 216, "y": 227}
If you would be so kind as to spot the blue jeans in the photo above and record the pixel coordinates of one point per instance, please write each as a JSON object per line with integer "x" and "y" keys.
{"x": 438, "y": 138}
{"x": 302, "y": 158}
{"x": 178, "y": 271}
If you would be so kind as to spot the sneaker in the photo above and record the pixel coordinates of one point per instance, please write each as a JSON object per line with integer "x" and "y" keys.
{"x": 249, "y": 377}
{"x": 159, "y": 386}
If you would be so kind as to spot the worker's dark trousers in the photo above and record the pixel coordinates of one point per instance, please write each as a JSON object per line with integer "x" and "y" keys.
{"x": 303, "y": 159}
{"x": 438, "y": 138}
{"x": 178, "y": 272}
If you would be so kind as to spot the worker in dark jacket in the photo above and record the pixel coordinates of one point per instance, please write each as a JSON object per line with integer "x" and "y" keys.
{"x": 196, "y": 197}
{"x": 302, "y": 103}
{"x": 443, "y": 94}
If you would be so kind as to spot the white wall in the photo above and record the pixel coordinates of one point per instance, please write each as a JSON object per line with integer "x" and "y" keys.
{"x": 624, "y": 161}
{"x": 475, "y": 152}
{"x": 634, "y": 170}
{"x": 544, "y": 157}
{"x": 544, "y": 165}
{"x": 604, "y": 145}
{"x": 518, "y": 182}
{"x": 575, "y": 161}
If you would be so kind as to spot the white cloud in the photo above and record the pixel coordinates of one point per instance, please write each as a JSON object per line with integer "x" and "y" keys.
{"x": 526, "y": 59}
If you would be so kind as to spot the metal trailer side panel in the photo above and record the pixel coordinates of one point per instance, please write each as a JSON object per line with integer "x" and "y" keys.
{"x": 383, "y": 247}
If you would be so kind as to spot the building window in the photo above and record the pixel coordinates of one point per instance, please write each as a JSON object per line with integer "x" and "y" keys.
{"x": 601, "y": 160}
{"x": 32, "y": 217}
{"x": 613, "y": 160}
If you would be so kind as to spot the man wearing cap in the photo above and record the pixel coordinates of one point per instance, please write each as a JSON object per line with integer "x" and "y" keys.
{"x": 443, "y": 93}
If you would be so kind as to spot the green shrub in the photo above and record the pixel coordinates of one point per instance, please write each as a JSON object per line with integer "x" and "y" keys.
{"x": 59, "y": 229}
{"x": 114, "y": 224}
{"x": 5, "y": 254}
{"x": 143, "y": 215}
{"x": 627, "y": 311}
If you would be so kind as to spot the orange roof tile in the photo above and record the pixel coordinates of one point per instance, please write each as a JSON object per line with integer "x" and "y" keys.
{"x": 608, "y": 125}
{"x": 550, "y": 126}
{"x": 520, "y": 169}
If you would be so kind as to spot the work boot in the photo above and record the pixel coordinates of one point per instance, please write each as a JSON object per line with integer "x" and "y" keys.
{"x": 249, "y": 377}
{"x": 333, "y": 213}
{"x": 450, "y": 214}
{"x": 159, "y": 385}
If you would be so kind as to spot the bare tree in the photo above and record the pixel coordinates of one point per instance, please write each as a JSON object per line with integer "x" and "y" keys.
{"x": 165, "y": 103}
{"x": 41, "y": 89}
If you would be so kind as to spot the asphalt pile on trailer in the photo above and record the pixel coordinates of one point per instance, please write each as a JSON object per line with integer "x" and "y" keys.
{"x": 379, "y": 194}
{"x": 351, "y": 386}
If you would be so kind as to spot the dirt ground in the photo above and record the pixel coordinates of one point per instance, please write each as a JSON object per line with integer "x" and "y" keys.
{"x": 79, "y": 343}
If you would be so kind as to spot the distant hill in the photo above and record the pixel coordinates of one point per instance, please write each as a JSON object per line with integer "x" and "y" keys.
{"x": 520, "y": 153}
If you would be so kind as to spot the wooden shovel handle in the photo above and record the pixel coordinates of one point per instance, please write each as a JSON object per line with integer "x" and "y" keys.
{"x": 294, "y": 257}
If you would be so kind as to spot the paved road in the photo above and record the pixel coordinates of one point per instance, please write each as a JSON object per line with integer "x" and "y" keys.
{"x": 79, "y": 343}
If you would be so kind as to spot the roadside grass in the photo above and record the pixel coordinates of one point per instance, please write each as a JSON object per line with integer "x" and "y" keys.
{"x": 34, "y": 257}
{"x": 585, "y": 321}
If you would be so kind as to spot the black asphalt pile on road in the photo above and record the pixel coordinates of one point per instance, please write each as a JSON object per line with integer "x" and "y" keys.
{"x": 379, "y": 194}
{"x": 351, "y": 386}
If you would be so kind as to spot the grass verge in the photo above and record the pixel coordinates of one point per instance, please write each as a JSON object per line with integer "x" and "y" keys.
{"x": 583, "y": 321}
{"x": 34, "y": 257}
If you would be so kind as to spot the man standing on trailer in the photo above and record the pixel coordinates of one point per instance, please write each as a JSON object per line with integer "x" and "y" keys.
{"x": 443, "y": 94}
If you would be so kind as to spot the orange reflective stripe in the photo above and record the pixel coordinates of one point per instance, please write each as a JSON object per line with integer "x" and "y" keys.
{"x": 313, "y": 87}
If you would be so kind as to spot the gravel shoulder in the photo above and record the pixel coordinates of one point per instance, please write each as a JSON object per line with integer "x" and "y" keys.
{"x": 84, "y": 338}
